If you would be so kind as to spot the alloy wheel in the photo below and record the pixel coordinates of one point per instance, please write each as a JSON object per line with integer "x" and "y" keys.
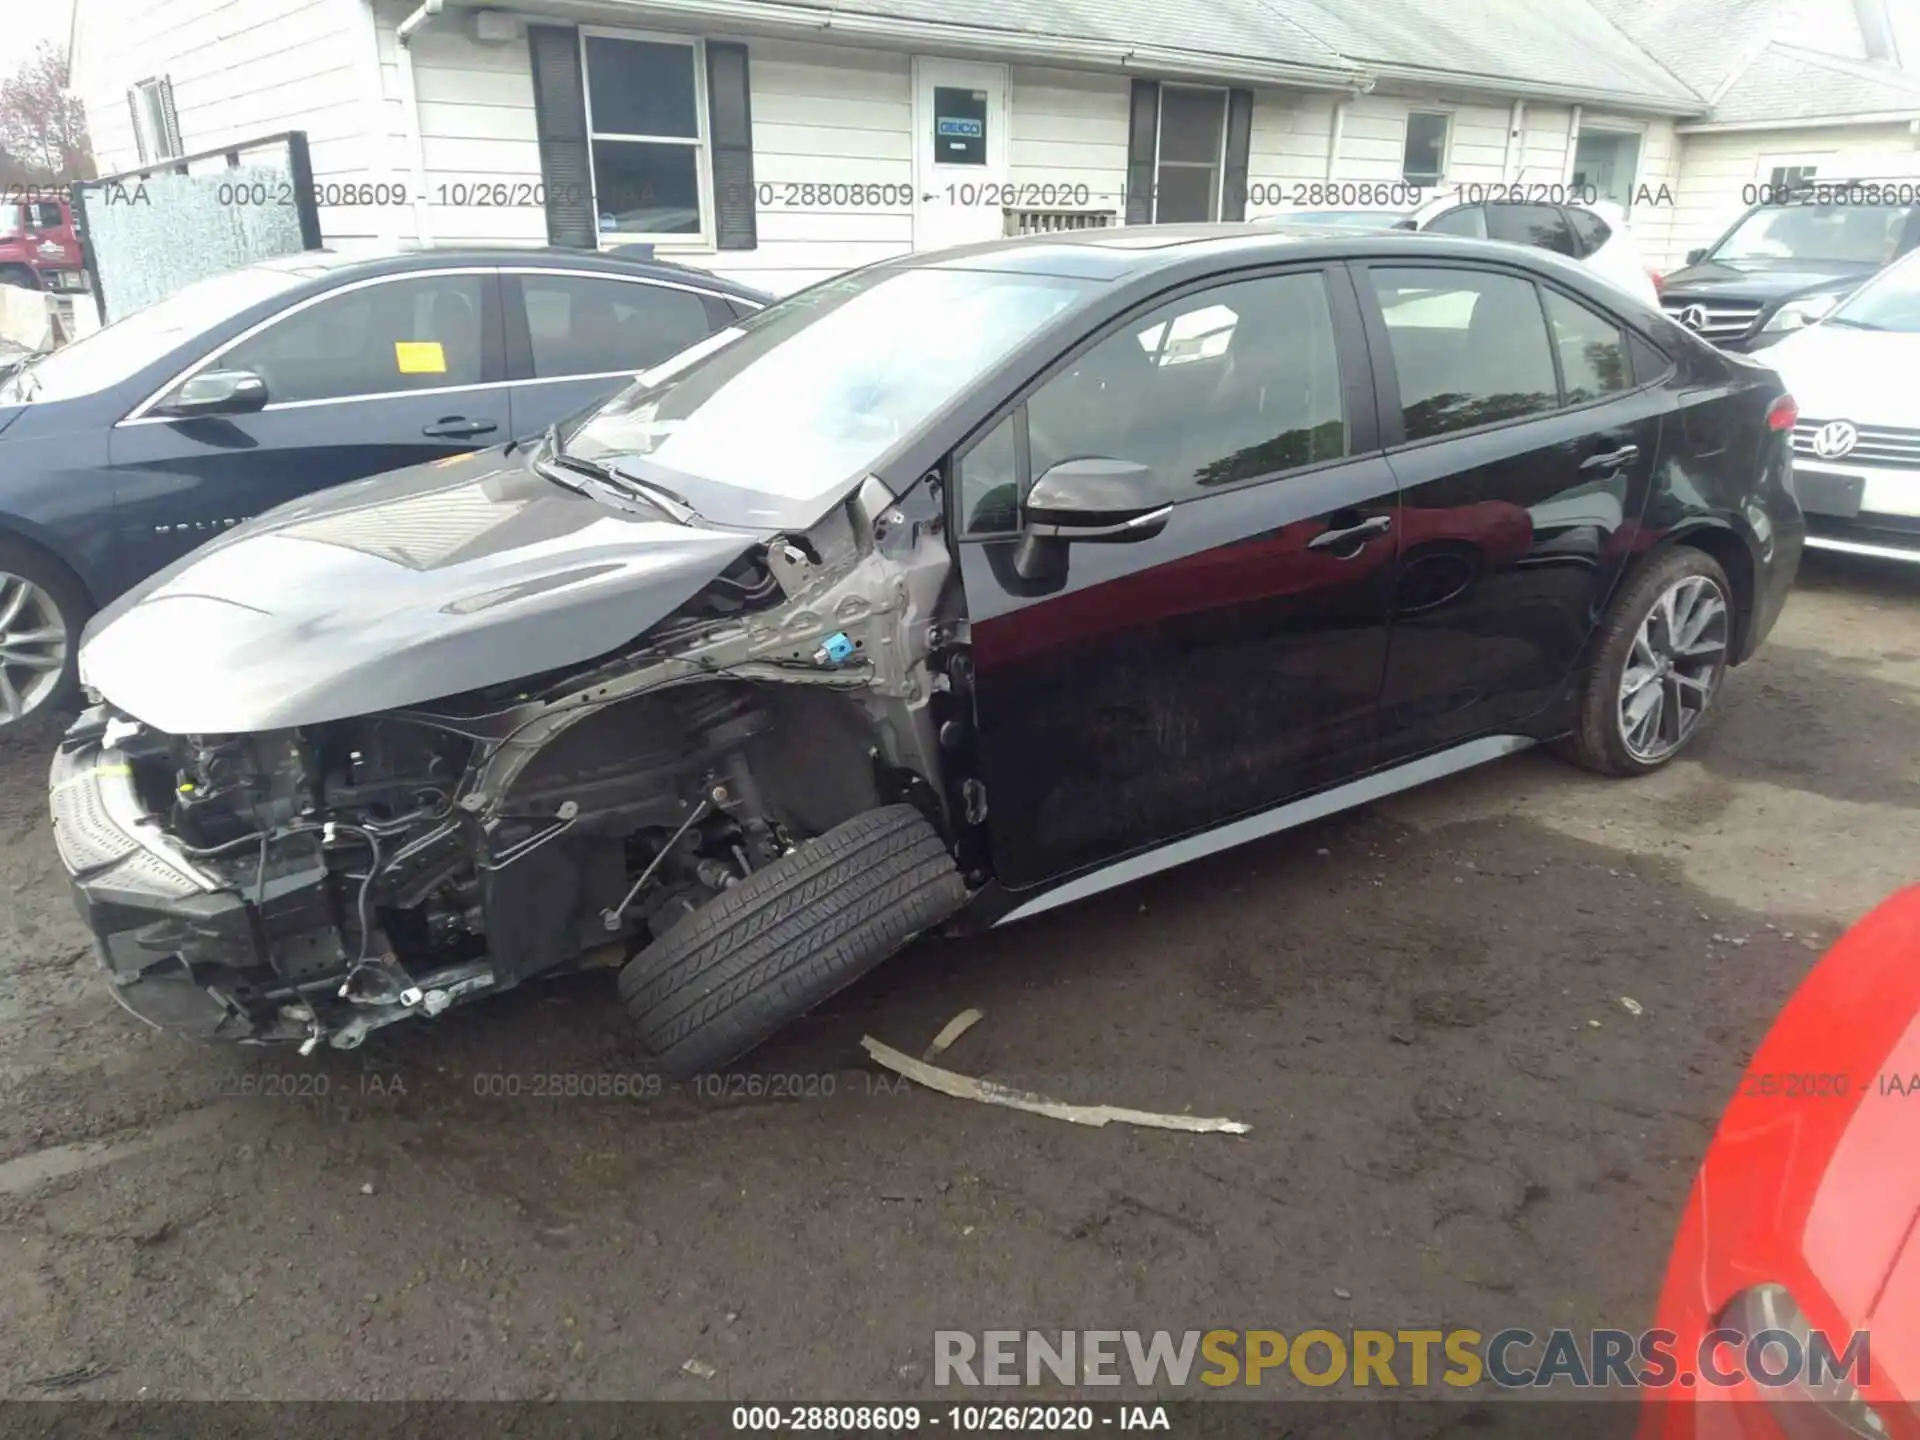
{"x": 33, "y": 647}
{"x": 1674, "y": 668}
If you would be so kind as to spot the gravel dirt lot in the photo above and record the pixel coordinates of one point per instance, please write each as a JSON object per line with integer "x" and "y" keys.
{"x": 1417, "y": 1007}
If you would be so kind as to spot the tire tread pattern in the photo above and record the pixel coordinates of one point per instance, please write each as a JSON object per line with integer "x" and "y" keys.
{"x": 789, "y": 936}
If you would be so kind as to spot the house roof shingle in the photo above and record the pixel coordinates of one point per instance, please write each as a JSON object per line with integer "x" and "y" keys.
{"x": 1566, "y": 44}
{"x": 1795, "y": 86}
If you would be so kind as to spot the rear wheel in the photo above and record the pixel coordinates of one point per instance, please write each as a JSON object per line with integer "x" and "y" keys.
{"x": 1656, "y": 669}
{"x": 42, "y": 610}
{"x": 789, "y": 936}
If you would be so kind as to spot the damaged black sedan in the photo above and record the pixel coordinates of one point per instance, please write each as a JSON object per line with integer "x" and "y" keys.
{"x": 935, "y": 596}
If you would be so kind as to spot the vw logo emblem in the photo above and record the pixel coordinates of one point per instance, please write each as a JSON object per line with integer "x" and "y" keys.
{"x": 1694, "y": 317}
{"x": 1835, "y": 439}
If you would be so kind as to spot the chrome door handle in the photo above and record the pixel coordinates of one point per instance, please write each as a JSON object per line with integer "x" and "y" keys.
{"x": 1612, "y": 460}
{"x": 1352, "y": 534}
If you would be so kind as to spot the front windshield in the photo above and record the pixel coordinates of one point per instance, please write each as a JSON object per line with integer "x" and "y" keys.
{"x": 123, "y": 349}
{"x": 1891, "y": 301}
{"x": 813, "y": 391}
{"x": 1842, "y": 234}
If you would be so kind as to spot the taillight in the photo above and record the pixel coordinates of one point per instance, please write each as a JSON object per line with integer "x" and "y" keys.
{"x": 1783, "y": 414}
{"x": 1659, "y": 281}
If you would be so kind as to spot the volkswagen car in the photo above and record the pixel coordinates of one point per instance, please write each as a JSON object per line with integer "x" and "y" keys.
{"x": 930, "y": 598}
{"x": 1857, "y": 442}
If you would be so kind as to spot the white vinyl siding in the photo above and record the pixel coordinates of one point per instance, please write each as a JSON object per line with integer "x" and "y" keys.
{"x": 1069, "y": 129}
{"x": 1287, "y": 149}
{"x": 238, "y": 72}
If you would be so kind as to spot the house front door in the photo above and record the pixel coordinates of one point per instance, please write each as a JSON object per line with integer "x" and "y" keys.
{"x": 960, "y": 116}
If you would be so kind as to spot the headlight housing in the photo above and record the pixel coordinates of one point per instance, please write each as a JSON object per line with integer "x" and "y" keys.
{"x": 1798, "y": 314}
{"x": 1809, "y": 1407}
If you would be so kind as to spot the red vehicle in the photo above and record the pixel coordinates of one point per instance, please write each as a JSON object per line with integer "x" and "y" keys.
{"x": 38, "y": 245}
{"x": 1805, "y": 1216}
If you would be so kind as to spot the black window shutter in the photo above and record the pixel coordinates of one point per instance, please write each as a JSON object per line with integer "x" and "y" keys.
{"x": 1143, "y": 160}
{"x": 560, "y": 120}
{"x": 1233, "y": 192}
{"x": 730, "y": 132}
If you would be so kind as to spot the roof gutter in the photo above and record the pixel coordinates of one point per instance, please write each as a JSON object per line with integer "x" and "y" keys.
{"x": 410, "y": 111}
{"x": 1799, "y": 122}
{"x": 946, "y": 37}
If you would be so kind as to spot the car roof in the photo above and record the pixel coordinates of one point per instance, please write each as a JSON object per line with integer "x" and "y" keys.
{"x": 319, "y": 264}
{"x": 1131, "y": 251}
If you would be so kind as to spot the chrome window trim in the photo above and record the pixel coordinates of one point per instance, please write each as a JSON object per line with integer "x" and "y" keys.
{"x": 139, "y": 416}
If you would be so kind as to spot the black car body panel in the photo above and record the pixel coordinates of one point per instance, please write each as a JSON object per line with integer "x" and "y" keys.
{"x": 1390, "y": 585}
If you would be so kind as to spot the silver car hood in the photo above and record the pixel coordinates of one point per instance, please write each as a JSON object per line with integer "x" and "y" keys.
{"x": 393, "y": 591}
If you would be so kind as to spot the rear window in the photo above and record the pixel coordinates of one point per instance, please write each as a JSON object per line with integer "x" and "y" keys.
{"x": 1590, "y": 232}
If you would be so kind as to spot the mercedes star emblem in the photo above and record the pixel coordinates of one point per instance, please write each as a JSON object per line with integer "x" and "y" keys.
{"x": 1694, "y": 317}
{"x": 1835, "y": 439}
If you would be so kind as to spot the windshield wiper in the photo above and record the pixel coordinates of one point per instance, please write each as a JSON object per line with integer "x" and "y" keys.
{"x": 615, "y": 477}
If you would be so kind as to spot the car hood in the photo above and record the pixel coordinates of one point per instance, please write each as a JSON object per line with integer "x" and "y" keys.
{"x": 392, "y": 591}
{"x": 1837, "y": 373}
{"x": 1779, "y": 280}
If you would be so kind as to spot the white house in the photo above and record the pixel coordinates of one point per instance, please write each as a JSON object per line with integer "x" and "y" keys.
{"x": 780, "y": 142}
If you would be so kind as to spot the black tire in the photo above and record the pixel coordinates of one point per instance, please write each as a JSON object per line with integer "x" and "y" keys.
{"x": 22, "y": 561}
{"x": 22, "y": 275}
{"x": 1597, "y": 742}
{"x": 764, "y": 953}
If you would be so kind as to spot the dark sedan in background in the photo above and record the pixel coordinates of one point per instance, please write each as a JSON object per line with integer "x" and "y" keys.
{"x": 126, "y": 450}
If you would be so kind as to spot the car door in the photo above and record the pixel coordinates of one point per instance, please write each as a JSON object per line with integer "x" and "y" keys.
{"x": 375, "y": 375}
{"x": 574, "y": 338}
{"x": 1225, "y": 663}
{"x": 1525, "y": 451}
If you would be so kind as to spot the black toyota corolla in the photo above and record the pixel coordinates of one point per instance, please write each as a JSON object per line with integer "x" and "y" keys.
{"x": 937, "y": 595}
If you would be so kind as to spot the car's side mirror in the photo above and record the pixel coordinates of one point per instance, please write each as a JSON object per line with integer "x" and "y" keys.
{"x": 1097, "y": 499}
{"x": 1090, "y": 499}
{"x": 217, "y": 392}
{"x": 1694, "y": 257}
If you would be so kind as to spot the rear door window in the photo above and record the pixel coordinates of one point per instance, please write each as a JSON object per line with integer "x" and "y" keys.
{"x": 1470, "y": 347}
{"x": 1467, "y": 220}
{"x": 1544, "y": 227}
{"x": 1590, "y": 232}
{"x": 587, "y": 325}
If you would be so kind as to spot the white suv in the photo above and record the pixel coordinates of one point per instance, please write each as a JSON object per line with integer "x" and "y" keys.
{"x": 1595, "y": 233}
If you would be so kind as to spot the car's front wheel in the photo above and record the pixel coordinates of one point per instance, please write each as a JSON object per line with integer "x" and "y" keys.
{"x": 42, "y": 610}
{"x": 790, "y": 935}
{"x": 1656, "y": 666}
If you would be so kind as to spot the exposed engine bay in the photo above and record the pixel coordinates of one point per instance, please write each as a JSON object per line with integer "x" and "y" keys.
{"x": 312, "y": 885}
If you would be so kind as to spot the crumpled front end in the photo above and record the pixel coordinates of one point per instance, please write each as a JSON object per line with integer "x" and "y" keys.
{"x": 313, "y": 883}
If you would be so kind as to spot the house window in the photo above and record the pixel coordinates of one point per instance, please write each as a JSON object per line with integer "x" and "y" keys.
{"x": 1785, "y": 177}
{"x": 1424, "y": 159}
{"x": 156, "y": 130}
{"x": 1193, "y": 126}
{"x": 647, "y": 132}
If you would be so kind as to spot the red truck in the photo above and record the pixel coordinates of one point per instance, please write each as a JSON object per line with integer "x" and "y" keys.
{"x": 38, "y": 246}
